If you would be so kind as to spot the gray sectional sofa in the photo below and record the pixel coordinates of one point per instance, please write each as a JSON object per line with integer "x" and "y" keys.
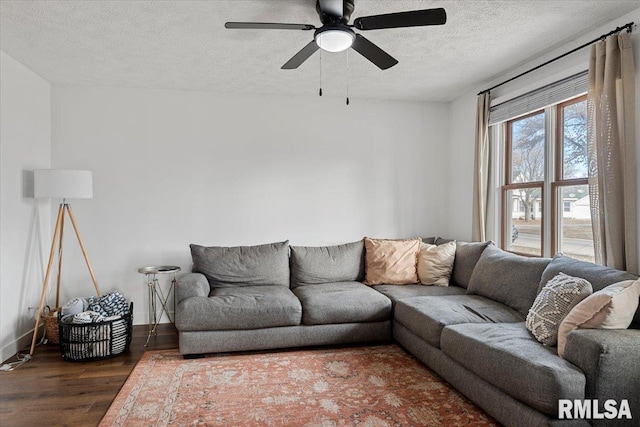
{"x": 472, "y": 333}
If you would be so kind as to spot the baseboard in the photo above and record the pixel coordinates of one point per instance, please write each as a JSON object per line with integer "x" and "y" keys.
{"x": 21, "y": 343}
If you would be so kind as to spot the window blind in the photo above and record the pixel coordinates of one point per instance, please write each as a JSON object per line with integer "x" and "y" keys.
{"x": 550, "y": 94}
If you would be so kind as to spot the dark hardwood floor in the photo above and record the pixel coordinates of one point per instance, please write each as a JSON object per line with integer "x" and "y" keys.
{"x": 48, "y": 391}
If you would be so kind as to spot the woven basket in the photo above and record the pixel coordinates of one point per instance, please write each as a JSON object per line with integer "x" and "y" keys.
{"x": 52, "y": 331}
{"x": 98, "y": 340}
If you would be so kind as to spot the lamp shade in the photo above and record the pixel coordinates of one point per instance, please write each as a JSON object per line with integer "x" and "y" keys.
{"x": 62, "y": 184}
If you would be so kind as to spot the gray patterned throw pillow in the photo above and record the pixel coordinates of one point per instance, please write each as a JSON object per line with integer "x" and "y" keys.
{"x": 552, "y": 305}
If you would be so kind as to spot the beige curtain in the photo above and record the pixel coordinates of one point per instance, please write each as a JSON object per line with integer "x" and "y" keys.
{"x": 481, "y": 170}
{"x": 612, "y": 152}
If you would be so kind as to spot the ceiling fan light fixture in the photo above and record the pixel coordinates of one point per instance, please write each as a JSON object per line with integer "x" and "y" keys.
{"x": 335, "y": 39}
{"x": 336, "y": 34}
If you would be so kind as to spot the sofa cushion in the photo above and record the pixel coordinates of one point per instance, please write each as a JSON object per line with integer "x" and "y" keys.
{"x": 342, "y": 302}
{"x": 396, "y": 293}
{"x": 509, "y": 358}
{"x": 552, "y": 305}
{"x": 435, "y": 263}
{"x": 240, "y": 307}
{"x": 243, "y": 265}
{"x": 507, "y": 278}
{"x": 326, "y": 264}
{"x": 391, "y": 261}
{"x": 599, "y": 276}
{"x": 467, "y": 256}
{"x": 427, "y": 316}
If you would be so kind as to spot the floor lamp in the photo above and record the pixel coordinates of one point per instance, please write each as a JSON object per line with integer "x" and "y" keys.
{"x": 61, "y": 184}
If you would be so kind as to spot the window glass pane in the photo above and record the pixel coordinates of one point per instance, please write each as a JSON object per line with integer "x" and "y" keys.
{"x": 574, "y": 140}
{"x": 574, "y": 223}
{"x": 524, "y": 223}
{"x": 527, "y": 148}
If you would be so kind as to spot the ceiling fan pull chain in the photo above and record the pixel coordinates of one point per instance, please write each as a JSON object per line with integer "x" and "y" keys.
{"x": 320, "y": 92}
{"x": 347, "y": 76}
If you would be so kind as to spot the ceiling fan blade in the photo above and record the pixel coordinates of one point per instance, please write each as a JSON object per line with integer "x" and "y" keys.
{"x": 332, "y": 7}
{"x": 413, "y": 18}
{"x": 301, "y": 56}
{"x": 373, "y": 53}
{"x": 268, "y": 26}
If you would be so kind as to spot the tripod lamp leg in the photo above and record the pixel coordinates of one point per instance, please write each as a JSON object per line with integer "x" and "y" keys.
{"x": 84, "y": 251}
{"x": 45, "y": 285}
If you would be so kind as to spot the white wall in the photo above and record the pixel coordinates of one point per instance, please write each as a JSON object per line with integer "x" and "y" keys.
{"x": 462, "y": 113}
{"x": 25, "y": 144}
{"x": 173, "y": 168}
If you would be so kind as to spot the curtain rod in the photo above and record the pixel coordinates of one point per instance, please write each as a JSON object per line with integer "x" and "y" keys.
{"x": 628, "y": 27}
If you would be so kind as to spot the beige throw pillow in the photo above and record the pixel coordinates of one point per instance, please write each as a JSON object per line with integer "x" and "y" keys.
{"x": 391, "y": 261}
{"x": 435, "y": 263}
{"x": 610, "y": 308}
{"x": 553, "y": 304}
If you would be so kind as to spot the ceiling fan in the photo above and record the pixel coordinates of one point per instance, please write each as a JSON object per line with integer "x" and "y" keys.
{"x": 336, "y": 35}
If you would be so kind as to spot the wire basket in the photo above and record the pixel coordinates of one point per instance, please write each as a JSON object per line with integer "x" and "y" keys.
{"x": 98, "y": 340}
{"x": 50, "y": 319}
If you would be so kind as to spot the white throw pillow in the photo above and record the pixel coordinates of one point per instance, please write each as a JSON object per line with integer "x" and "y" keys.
{"x": 553, "y": 304}
{"x": 610, "y": 308}
{"x": 435, "y": 263}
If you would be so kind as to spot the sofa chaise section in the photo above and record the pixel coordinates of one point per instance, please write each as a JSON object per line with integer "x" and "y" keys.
{"x": 499, "y": 404}
{"x": 510, "y": 359}
{"x": 500, "y": 365}
{"x": 446, "y": 333}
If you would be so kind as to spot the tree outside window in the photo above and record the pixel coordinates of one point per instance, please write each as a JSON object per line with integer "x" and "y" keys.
{"x": 527, "y": 158}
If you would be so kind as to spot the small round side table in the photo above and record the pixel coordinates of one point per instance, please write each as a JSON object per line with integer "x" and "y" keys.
{"x": 155, "y": 294}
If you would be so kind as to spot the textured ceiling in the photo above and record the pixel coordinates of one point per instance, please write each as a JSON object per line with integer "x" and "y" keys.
{"x": 184, "y": 45}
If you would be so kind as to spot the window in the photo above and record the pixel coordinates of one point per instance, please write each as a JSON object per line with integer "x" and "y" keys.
{"x": 546, "y": 177}
{"x": 572, "y": 233}
{"x": 525, "y": 169}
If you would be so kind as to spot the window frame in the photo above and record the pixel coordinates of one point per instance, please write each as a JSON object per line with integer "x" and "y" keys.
{"x": 558, "y": 182}
{"x": 552, "y": 183}
{"x": 508, "y": 185}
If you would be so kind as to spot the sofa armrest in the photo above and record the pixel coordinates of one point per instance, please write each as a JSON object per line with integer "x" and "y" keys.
{"x": 192, "y": 285}
{"x": 610, "y": 362}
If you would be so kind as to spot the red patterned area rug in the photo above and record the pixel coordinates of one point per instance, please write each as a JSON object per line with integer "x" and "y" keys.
{"x": 368, "y": 386}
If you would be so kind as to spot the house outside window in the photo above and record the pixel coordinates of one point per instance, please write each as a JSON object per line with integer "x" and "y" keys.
{"x": 545, "y": 175}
